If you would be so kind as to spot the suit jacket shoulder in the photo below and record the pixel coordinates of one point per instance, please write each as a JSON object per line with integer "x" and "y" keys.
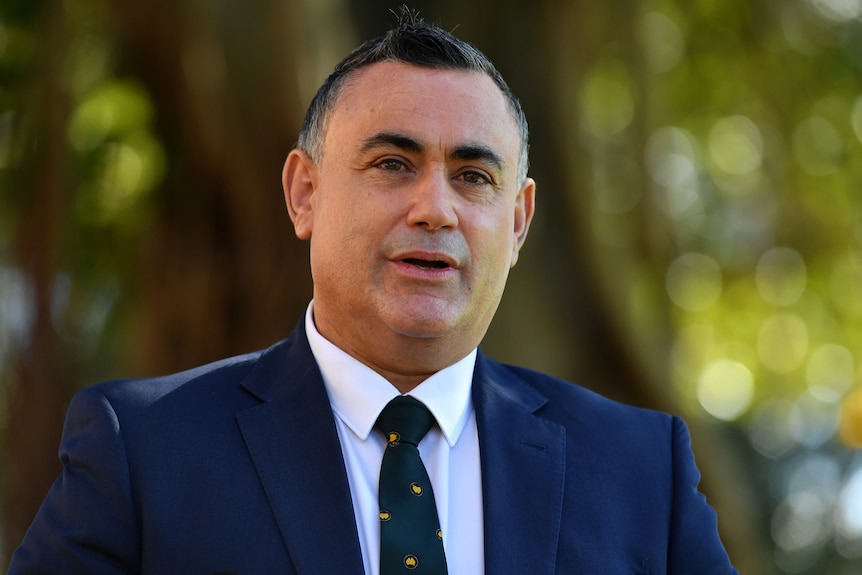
{"x": 593, "y": 414}
{"x": 232, "y": 467}
{"x": 616, "y": 484}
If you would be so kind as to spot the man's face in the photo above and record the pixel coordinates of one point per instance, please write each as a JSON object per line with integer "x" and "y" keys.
{"x": 414, "y": 212}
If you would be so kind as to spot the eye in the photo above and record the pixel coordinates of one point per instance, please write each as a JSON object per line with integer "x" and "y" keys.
{"x": 391, "y": 165}
{"x": 475, "y": 178}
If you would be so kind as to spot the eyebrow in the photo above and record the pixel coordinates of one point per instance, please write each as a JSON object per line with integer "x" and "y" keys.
{"x": 388, "y": 139}
{"x": 478, "y": 152}
{"x": 467, "y": 152}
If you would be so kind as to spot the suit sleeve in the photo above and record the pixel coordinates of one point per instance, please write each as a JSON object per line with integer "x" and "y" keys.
{"x": 87, "y": 523}
{"x": 695, "y": 547}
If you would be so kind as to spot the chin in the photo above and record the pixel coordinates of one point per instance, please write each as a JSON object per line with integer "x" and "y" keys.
{"x": 430, "y": 318}
{"x": 425, "y": 329}
{"x": 422, "y": 323}
{"x": 430, "y": 331}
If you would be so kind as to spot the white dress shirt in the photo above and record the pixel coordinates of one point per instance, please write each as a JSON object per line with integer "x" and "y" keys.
{"x": 450, "y": 452}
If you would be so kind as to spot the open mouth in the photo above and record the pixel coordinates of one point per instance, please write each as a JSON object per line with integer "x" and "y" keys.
{"x": 426, "y": 264}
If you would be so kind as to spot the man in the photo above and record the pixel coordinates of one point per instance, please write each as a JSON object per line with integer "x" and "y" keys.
{"x": 410, "y": 181}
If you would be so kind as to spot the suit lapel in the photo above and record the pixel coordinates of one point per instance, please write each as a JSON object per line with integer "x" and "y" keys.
{"x": 523, "y": 470}
{"x": 292, "y": 440}
{"x": 294, "y": 445}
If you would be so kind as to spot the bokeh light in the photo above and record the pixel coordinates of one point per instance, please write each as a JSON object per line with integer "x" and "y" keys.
{"x": 782, "y": 342}
{"x": 848, "y": 516}
{"x": 725, "y": 389}
{"x": 110, "y": 110}
{"x": 814, "y": 422}
{"x": 837, "y": 10}
{"x": 672, "y": 164}
{"x": 735, "y": 145}
{"x": 694, "y": 281}
{"x": 606, "y": 100}
{"x": 801, "y": 521}
{"x": 663, "y": 42}
{"x": 769, "y": 428}
{"x": 781, "y": 276}
{"x": 830, "y": 371}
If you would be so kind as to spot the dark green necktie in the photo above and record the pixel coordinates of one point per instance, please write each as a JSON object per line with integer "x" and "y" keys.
{"x": 410, "y": 536}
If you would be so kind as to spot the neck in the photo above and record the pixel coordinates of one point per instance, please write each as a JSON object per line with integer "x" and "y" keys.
{"x": 408, "y": 363}
{"x": 403, "y": 361}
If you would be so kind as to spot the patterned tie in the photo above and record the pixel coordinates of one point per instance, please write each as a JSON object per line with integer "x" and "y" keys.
{"x": 410, "y": 536}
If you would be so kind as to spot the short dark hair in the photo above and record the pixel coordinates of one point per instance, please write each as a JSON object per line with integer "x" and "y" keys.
{"x": 415, "y": 42}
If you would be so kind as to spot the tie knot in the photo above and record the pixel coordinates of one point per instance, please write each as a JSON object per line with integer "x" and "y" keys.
{"x": 404, "y": 419}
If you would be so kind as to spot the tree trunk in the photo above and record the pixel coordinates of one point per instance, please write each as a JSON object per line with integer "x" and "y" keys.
{"x": 42, "y": 375}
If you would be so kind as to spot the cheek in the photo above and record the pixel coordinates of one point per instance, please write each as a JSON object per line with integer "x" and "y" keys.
{"x": 495, "y": 235}
{"x": 347, "y": 241}
{"x": 331, "y": 237}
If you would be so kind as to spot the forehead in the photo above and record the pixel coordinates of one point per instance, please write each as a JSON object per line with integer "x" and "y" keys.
{"x": 436, "y": 106}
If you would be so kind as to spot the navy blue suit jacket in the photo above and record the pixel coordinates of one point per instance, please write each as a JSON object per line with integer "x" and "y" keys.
{"x": 236, "y": 467}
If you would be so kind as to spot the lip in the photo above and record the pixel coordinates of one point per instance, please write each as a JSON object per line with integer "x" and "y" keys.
{"x": 441, "y": 264}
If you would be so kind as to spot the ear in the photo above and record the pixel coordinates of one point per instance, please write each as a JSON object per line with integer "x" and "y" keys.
{"x": 525, "y": 206}
{"x": 299, "y": 180}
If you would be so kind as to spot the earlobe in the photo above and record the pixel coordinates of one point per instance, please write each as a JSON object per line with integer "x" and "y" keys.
{"x": 525, "y": 206}
{"x": 299, "y": 180}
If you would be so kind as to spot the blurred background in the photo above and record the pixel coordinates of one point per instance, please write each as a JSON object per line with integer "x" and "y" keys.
{"x": 697, "y": 249}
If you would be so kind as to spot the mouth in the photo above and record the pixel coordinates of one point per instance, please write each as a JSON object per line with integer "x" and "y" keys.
{"x": 426, "y": 264}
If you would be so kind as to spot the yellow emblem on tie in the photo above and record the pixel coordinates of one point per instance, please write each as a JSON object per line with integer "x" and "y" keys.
{"x": 416, "y": 489}
{"x": 439, "y": 534}
{"x": 411, "y": 562}
{"x": 394, "y": 438}
{"x": 385, "y": 515}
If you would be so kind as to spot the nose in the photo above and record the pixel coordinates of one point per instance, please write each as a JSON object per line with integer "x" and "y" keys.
{"x": 432, "y": 203}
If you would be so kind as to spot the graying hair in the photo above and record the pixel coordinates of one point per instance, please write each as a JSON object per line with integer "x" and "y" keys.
{"x": 413, "y": 42}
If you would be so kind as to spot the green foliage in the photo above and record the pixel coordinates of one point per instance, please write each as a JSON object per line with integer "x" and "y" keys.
{"x": 754, "y": 158}
{"x": 111, "y": 159}
{"x": 119, "y": 158}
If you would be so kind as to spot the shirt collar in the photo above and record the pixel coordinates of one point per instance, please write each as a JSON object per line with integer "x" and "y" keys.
{"x": 358, "y": 393}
